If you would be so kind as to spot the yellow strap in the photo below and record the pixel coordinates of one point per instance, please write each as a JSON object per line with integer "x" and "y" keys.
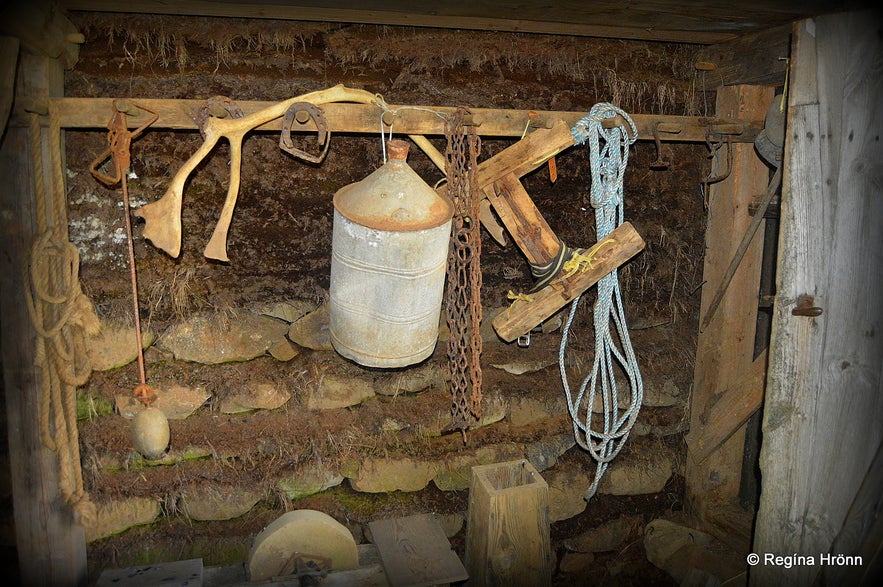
{"x": 581, "y": 262}
{"x": 519, "y": 296}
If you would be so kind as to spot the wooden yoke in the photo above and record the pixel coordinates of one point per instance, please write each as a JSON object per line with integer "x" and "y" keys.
{"x": 499, "y": 179}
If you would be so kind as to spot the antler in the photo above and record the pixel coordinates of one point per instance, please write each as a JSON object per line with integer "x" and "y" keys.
{"x": 163, "y": 217}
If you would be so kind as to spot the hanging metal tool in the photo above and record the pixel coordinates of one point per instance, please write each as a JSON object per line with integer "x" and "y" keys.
{"x": 659, "y": 128}
{"x": 119, "y": 140}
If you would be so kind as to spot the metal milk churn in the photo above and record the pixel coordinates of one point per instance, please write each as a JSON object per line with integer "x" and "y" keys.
{"x": 388, "y": 262}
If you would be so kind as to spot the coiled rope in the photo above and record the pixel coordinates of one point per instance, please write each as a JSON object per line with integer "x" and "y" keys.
{"x": 608, "y": 158}
{"x": 61, "y": 315}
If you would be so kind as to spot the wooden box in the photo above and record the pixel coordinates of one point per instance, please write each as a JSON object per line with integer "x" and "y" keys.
{"x": 507, "y": 540}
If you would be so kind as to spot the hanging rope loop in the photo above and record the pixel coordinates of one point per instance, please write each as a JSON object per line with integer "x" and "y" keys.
{"x": 62, "y": 317}
{"x": 603, "y": 429}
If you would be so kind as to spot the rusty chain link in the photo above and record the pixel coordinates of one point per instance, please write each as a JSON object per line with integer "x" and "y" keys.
{"x": 463, "y": 292}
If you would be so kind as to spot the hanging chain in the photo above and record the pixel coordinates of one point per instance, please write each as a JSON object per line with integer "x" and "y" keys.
{"x": 463, "y": 293}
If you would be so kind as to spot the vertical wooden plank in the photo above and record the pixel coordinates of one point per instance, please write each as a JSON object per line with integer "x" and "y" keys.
{"x": 8, "y": 61}
{"x": 726, "y": 347}
{"x": 51, "y": 547}
{"x": 823, "y": 418}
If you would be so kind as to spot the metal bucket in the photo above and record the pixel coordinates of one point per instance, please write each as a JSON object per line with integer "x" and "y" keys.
{"x": 389, "y": 256}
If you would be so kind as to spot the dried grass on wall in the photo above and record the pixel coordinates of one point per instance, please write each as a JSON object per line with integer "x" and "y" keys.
{"x": 615, "y": 68}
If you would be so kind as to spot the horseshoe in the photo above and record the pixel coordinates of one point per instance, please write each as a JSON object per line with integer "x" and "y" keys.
{"x": 324, "y": 135}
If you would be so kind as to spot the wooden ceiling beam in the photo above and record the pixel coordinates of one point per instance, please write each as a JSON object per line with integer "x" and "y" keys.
{"x": 593, "y": 25}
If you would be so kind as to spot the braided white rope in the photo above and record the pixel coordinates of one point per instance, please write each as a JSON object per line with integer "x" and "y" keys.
{"x": 608, "y": 158}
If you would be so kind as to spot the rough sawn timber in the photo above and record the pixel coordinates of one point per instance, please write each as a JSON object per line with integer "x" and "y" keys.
{"x": 823, "y": 413}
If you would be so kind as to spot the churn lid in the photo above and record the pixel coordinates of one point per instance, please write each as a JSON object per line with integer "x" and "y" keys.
{"x": 393, "y": 198}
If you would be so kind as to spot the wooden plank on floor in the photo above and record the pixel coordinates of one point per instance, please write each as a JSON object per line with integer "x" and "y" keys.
{"x": 415, "y": 552}
{"x": 174, "y": 574}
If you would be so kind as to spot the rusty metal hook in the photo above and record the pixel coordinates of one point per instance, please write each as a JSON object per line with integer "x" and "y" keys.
{"x": 660, "y": 163}
{"x": 119, "y": 140}
{"x": 303, "y": 112}
{"x": 713, "y": 147}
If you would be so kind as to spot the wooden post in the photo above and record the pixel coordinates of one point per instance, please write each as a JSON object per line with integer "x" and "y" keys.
{"x": 51, "y": 547}
{"x": 823, "y": 413}
{"x": 725, "y": 348}
{"x": 508, "y": 528}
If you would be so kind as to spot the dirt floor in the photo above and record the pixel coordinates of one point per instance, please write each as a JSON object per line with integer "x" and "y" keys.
{"x": 280, "y": 242}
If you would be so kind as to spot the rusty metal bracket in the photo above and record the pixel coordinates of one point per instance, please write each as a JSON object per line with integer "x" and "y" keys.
{"x": 660, "y": 163}
{"x": 216, "y": 107}
{"x": 303, "y": 112}
{"x": 806, "y": 306}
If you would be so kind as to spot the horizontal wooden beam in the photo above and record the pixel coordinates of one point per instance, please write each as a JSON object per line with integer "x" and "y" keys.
{"x": 605, "y": 20}
{"x": 176, "y": 114}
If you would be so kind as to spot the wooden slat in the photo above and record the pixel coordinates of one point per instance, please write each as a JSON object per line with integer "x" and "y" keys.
{"x": 725, "y": 349}
{"x": 523, "y": 220}
{"x": 619, "y": 246}
{"x": 823, "y": 413}
{"x": 365, "y": 118}
{"x": 727, "y": 410}
{"x": 526, "y": 155}
{"x": 416, "y": 552}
